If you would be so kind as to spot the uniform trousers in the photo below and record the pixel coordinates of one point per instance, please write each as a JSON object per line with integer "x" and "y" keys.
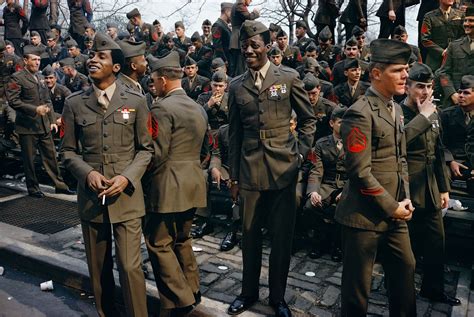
{"x": 387, "y": 26}
{"x": 169, "y": 244}
{"x": 427, "y": 239}
{"x": 360, "y": 250}
{"x": 44, "y": 143}
{"x": 279, "y": 208}
{"x": 98, "y": 246}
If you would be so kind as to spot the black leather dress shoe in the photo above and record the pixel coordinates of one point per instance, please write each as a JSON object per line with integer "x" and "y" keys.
{"x": 202, "y": 229}
{"x": 281, "y": 309}
{"x": 315, "y": 253}
{"x": 336, "y": 255}
{"x": 229, "y": 241}
{"x": 442, "y": 298}
{"x": 240, "y": 304}
{"x": 37, "y": 195}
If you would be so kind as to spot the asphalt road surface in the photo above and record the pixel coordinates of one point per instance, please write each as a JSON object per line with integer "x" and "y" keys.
{"x": 20, "y": 295}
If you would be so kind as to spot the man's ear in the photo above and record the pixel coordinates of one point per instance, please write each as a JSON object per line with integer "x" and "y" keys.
{"x": 116, "y": 68}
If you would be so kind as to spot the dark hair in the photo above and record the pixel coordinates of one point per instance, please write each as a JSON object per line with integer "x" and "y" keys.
{"x": 266, "y": 37}
{"x": 172, "y": 73}
{"x": 381, "y": 66}
{"x": 117, "y": 57}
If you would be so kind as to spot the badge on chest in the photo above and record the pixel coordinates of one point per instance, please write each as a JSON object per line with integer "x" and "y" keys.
{"x": 125, "y": 111}
{"x": 277, "y": 90}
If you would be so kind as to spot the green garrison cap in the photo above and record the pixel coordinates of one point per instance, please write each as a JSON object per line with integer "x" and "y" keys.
{"x": 133, "y": 13}
{"x": 467, "y": 82}
{"x": 71, "y": 43}
{"x": 357, "y": 31}
{"x": 274, "y": 51}
{"x": 310, "y": 82}
{"x": 103, "y": 42}
{"x": 325, "y": 34}
{"x": 226, "y": 5}
{"x": 469, "y": 11}
{"x": 281, "y": 33}
{"x": 338, "y": 112}
{"x": 33, "y": 50}
{"x": 196, "y": 37}
{"x": 131, "y": 48}
{"x": 351, "y": 63}
{"x": 219, "y": 77}
{"x": 251, "y": 28}
{"x": 421, "y": 73}
{"x": 48, "y": 71}
{"x": 301, "y": 24}
{"x": 189, "y": 61}
{"x": 217, "y": 62}
{"x": 170, "y": 60}
{"x": 390, "y": 51}
{"x": 68, "y": 61}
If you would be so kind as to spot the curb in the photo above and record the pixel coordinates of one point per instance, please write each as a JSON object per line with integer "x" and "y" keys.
{"x": 73, "y": 273}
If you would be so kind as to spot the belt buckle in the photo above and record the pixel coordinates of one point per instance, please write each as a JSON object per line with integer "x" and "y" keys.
{"x": 262, "y": 134}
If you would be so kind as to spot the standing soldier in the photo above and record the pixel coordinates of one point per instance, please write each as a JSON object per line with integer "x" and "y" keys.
{"x": 80, "y": 15}
{"x": 12, "y": 15}
{"x": 34, "y": 123}
{"x": 73, "y": 80}
{"x": 375, "y": 204}
{"x": 291, "y": 55}
{"x": 181, "y": 41}
{"x": 466, "y": 98}
{"x": 429, "y": 182}
{"x": 109, "y": 122}
{"x": 177, "y": 188}
{"x": 458, "y": 61}
{"x": 194, "y": 84}
{"x": 206, "y": 36}
{"x": 142, "y": 31}
{"x": 38, "y": 20}
{"x": 348, "y": 92}
{"x": 425, "y": 7}
{"x": 440, "y": 27}
{"x": 57, "y": 92}
{"x": 391, "y": 14}
{"x": 327, "y": 51}
{"x": 135, "y": 65}
{"x": 354, "y": 14}
{"x": 264, "y": 160}
{"x": 221, "y": 33}
{"x": 302, "y": 40}
{"x": 239, "y": 14}
{"x": 326, "y": 15}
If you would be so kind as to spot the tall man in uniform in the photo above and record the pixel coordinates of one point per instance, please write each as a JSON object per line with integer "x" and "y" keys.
{"x": 34, "y": 122}
{"x": 264, "y": 160}
{"x": 326, "y": 15}
{"x": 354, "y": 14}
{"x": 135, "y": 64}
{"x": 177, "y": 188}
{"x": 109, "y": 121}
{"x": 221, "y": 33}
{"x": 375, "y": 204}
{"x": 80, "y": 12}
{"x": 429, "y": 182}
{"x": 13, "y": 13}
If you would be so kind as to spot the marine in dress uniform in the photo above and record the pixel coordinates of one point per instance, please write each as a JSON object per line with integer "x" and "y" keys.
{"x": 142, "y": 31}
{"x": 80, "y": 14}
{"x": 425, "y": 7}
{"x": 57, "y": 92}
{"x": 264, "y": 160}
{"x": 391, "y": 14}
{"x": 458, "y": 61}
{"x": 202, "y": 55}
{"x": 178, "y": 187}
{"x": 13, "y": 13}
{"x": 239, "y": 14}
{"x": 348, "y": 92}
{"x": 440, "y": 27}
{"x": 34, "y": 122}
{"x": 181, "y": 41}
{"x": 354, "y": 14}
{"x": 429, "y": 182}
{"x": 73, "y": 80}
{"x": 109, "y": 122}
{"x": 327, "y": 51}
{"x": 194, "y": 84}
{"x": 326, "y": 178}
{"x": 38, "y": 20}
{"x": 302, "y": 40}
{"x": 221, "y": 33}
{"x": 135, "y": 65}
{"x": 375, "y": 204}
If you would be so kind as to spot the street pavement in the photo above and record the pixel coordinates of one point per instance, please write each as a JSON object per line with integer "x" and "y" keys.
{"x": 20, "y": 296}
{"x": 221, "y": 274}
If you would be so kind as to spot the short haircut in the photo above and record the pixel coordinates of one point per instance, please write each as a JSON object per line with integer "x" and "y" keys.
{"x": 381, "y": 66}
{"x": 117, "y": 57}
{"x": 172, "y": 73}
{"x": 266, "y": 37}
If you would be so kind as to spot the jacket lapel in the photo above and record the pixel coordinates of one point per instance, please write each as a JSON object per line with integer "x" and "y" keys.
{"x": 466, "y": 45}
{"x": 91, "y": 101}
{"x": 271, "y": 77}
{"x": 378, "y": 105}
{"x": 31, "y": 77}
{"x": 248, "y": 82}
{"x": 116, "y": 102}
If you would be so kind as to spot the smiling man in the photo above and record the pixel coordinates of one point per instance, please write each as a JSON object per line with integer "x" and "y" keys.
{"x": 264, "y": 160}
{"x": 375, "y": 204}
{"x": 109, "y": 121}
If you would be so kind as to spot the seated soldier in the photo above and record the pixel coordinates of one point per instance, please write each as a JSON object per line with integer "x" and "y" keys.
{"x": 326, "y": 179}
{"x": 454, "y": 121}
{"x": 312, "y": 66}
{"x": 79, "y": 59}
{"x": 152, "y": 95}
{"x": 193, "y": 84}
{"x": 351, "y": 50}
{"x": 311, "y": 51}
{"x": 274, "y": 55}
{"x": 218, "y": 64}
{"x": 202, "y": 55}
{"x": 327, "y": 51}
{"x": 291, "y": 55}
{"x": 348, "y": 92}
{"x": 321, "y": 106}
{"x": 215, "y": 102}
{"x": 73, "y": 80}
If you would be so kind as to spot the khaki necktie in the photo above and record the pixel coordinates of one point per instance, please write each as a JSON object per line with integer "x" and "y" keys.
{"x": 391, "y": 109}
{"x": 103, "y": 100}
{"x": 472, "y": 45}
{"x": 467, "y": 119}
{"x": 353, "y": 90}
{"x": 258, "y": 80}
{"x": 446, "y": 16}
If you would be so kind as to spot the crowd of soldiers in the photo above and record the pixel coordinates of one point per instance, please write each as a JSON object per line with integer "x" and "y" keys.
{"x": 310, "y": 143}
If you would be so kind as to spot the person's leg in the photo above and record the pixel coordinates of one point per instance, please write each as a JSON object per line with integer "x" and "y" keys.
{"x": 28, "y": 144}
{"x": 359, "y": 252}
{"x": 399, "y": 265}
{"x": 160, "y": 237}
{"x": 47, "y": 151}
{"x": 98, "y": 247}
{"x": 127, "y": 236}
